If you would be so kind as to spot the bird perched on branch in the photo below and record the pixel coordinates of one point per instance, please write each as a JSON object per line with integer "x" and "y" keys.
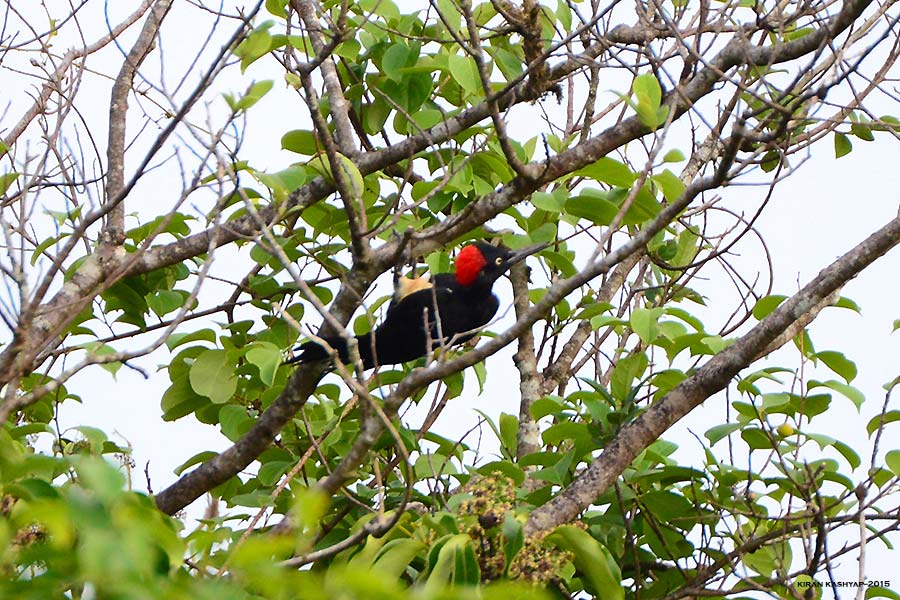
{"x": 425, "y": 315}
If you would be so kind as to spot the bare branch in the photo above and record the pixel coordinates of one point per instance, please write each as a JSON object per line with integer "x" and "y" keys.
{"x": 114, "y": 229}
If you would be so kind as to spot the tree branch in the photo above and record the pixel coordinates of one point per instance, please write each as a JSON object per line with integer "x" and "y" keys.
{"x": 528, "y": 436}
{"x": 706, "y": 381}
{"x": 114, "y": 230}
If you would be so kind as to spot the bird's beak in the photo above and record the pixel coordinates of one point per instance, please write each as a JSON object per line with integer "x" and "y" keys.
{"x": 522, "y": 253}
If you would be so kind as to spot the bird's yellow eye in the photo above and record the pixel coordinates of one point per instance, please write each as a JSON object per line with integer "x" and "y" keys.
{"x": 498, "y": 260}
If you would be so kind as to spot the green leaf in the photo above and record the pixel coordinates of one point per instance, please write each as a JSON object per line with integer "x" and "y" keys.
{"x": 465, "y": 73}
{"x": 165, "y": 301}
{"x": 625, "y": 372}
{"x": 40, "y": 248}
{"x": 212, "y": 375}
{"x": 556, "y": 473}
{"x": 432, "y": 466}
{"x": 301, "y": 141}
{"x": 282, "y": 182}
{"x": 566, "y": 431}
{"x": 685, "y": 248}
{"x": 394, "y": 59}
{"x": 234, "y": 421}
{"x": 892, "y": 461}
{"x": 509, "y": 64}
{"x": 719, "y": 432}
{"x": 271, "y": 472}
{"x": 560, "y": 261}
{"x": 838, "y": 363}
{"x": 427, "y": 118}
{"x": 267, "y": 358}
{"x": 592, "y": 207}
{"x": 879, "y": 421}
{"x": 685, "y": 316}
{"x": 348, "y": 49}
{"x": 93, "y": 436}
{"x": 648, "y": 92}
{"x": 548, "y": 405}
{"x": 544, "y": 234}
{"x": 608, "y": 170}
{"x": 99, "y": 349}
{"x": 480, "y": 370}
{"x": 509, "y": 428}
{"x": 277, "y": 7}
{"x": 395, "y": 556}
{"x": 644, "y": 322}
{"x": 61, "y": 216}
{"x": 513, "y": 536}
{"x": 716, "y": 343}
{"x": 351, "y": 172}
{"x": 646, "y": 89}
{"x": 666, "y": 506}
{"x": 31, "y": 429}
{"x": 456, "y": 564}
{"x": 451, "y": 14}
{"x": 762, "y": 561}
{"x": 863, "y": 131}
{"x": 564, "y": 14}
{"x": 606, "y": 321}
{"x": 309, "y": 507}
{"x": 756, "y": 439}
{"x": 890, "y": 123}
{"x": 848, "y": 453}
{"x": 601, "y": 572}
{"x": 844, "y": 302}
{"x": 770, "y": 161}
{"x": 665, "y": 381}
{"x": 177, "y": 339}
{"x": 853, "y": 394}
{"x": 671, "y": 185}
{"x": 180, "y": 399}
{"x": 32, "y": 489}
{"x": 7, "y": 180}
{"x": 175, "y": 224}
{"x": 253, "y": 95}
{"x": 195, "y": 460}
{"x": 842, "y": 145}
{"x": 593, "y": 309}
{"x": 766, "y": 305}
{"x": 547, "y": 201}
{"x": 293, "y": 80}
{"x": 257, "y": 44}
{"x": 674, "y": 156}
{"x": 804, "y": 344}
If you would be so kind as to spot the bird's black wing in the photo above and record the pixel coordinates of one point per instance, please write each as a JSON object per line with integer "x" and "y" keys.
{"x": 409, "y": 329}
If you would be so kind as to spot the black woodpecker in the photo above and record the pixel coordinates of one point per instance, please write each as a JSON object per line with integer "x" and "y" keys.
{"x": 424, "y": 315}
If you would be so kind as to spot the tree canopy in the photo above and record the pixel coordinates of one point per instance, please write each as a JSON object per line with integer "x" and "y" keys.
{"x": 151, "y": 223}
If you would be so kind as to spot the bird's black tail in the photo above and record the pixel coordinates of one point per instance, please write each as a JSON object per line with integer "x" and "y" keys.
{"x": 313, "y": 351}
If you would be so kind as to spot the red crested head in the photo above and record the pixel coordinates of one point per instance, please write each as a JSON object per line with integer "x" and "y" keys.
{"x": 469, "y": 264}
{"x": 482, "y": 263}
